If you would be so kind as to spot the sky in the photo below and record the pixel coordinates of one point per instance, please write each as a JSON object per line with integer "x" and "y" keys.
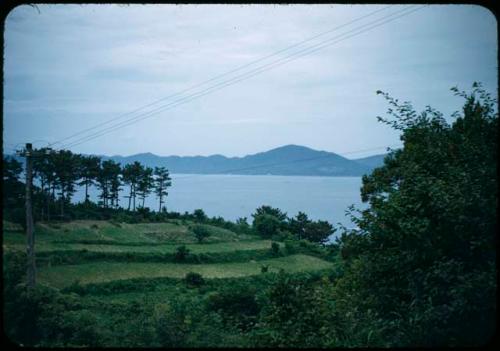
{"x": 68, "y": 68}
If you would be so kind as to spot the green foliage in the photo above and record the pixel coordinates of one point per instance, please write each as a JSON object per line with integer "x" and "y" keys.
{"x": 266, "y": 225}
{"x": 199, "y": 215}
{"x": 318, "y": 232}
{"x": 236, "y": 303}
{"x": 194, "y": 279}
{"x": 296, "y": 312}
{"x": 181, "y": 253}
{"x": 201, "y": 232}
{"x": 418, "y": 271}
{"x": 268, "y": 221}
{"x": 423, "y": 258}
{"x": 13, "y": 191}
{"x": 275, "y": 249}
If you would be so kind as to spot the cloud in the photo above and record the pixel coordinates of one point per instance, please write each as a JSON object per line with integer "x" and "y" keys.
{"x": 73, "y": 66}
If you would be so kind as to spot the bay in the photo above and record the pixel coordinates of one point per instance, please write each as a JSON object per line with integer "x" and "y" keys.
{"x": 235, "y": 196}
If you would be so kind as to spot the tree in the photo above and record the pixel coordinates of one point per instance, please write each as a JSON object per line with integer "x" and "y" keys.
{"x": 296, "y": 313}
{"x": 13, "y": 189}
{"x": 65, "y": 163}
{"x": 275, "y": 212}
{"x": 43, "y": 169}
{"x": 162, "y": 182}
{"x": 298, "y": 225}
{"x": 199, "y": 215}
{"x": 131, "y": 175}
{"x": 266, "y": 225}
{"x": 145, "y": 184}
{"x": 268, "y": 221}
{"x": 109, "y": 182}
{"x": 200, "y": 232}
{"x": 90, "y": 167}
{"x": 318, "y": 231}
{"x": 423, "y": 258}
{"x": 115, "y": 184}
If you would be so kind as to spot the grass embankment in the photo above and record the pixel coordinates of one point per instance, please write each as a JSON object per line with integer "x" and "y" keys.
{"x": 62, "y": 276}
{"x": 100, "y": 252}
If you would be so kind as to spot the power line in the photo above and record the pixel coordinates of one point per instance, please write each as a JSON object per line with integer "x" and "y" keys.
{"x": 236, "y": 79}
{"x": 223, "y": 74}
{"x": 232, "y": 81}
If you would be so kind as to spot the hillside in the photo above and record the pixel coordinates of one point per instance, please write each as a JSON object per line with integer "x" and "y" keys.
{"x": 148, "y": 250}
{"x": 285, "y": 160}
{"x": 372, "y": 161}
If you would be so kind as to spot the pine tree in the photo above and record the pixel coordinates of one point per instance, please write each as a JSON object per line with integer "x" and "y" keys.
{"x": 162, "y": 182}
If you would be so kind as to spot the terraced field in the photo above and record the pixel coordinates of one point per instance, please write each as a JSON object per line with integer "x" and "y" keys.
{"x": 140, "y": 242}
{"x": 62, "y": 276}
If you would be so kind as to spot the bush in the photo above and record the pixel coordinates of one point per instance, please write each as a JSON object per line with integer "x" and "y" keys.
{"x": 193, "y": 279}
{"x": 264, "y": 268}
{"x": 275, "y": 249}
{"x": 200, "y": 232}
{"x": 181, "y": 253}
{"x": 266, "y": 225}
{"x": 291, "y": 246}
{"x": 199, "y": 215}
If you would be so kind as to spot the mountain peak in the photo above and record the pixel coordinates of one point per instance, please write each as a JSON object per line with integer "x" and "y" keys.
{"x": 292, "y": 147}
{"x": 288, "y": 159}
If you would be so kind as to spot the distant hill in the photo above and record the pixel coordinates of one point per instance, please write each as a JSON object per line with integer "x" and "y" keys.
{"x": 372, "y": 161}
{"x": 285, "y": 160}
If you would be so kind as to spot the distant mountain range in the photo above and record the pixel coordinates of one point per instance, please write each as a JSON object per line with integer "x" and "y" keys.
{"x": 285, "y": 160}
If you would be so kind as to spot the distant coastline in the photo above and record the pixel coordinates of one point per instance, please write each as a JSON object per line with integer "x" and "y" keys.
{"x": 288, "y": 160}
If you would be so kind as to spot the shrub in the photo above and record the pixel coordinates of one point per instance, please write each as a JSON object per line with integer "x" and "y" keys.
{"x": 264, "y": 268}
{"x": 275, "y": 249}
{"x": 199, "y": 215}
{"x": 291, "y": 246}
{"x": 181, "y": 253}
{"x": 200, "y": 232}
{"x": 194, "y": 279}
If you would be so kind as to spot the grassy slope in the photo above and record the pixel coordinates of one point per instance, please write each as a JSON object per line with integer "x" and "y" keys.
{"x": 173, "y": 232}
{"x": 152, "y": 248}
{"x": 155, "y": 238}
{"x": 61, "y": 276}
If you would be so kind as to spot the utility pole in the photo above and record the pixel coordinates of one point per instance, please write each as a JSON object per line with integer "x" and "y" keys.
{"x": 28, "y": 153}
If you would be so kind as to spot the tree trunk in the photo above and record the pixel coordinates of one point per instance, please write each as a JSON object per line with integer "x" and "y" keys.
{"x": 48, "y": 203}
{"x": 43, "y": 198}
{"x": 134, "y": 198}
{"x": 86, "y": 191}
{"x": 62, "y": 204}
{"x": 130, "y": 198}
{"x": 160, "y": 192}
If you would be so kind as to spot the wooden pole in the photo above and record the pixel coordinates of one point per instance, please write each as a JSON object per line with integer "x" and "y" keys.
{"x": 30, "y": 238}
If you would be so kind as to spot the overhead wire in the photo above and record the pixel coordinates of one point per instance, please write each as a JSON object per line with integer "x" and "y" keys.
{"x": 244, "y": 76}
{"x": 224, "y": 74}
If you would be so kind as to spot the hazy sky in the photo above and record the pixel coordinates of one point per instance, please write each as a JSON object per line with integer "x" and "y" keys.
{"x": 71, "y": 67}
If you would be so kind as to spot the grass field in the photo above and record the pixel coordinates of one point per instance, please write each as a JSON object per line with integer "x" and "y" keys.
{"x": 153, "y": 248}
{"x": 119, "y": 281}
{"x": 150, "y": 238}
{"x": 62, "y": 276}
{"x": 173, "y": 232}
